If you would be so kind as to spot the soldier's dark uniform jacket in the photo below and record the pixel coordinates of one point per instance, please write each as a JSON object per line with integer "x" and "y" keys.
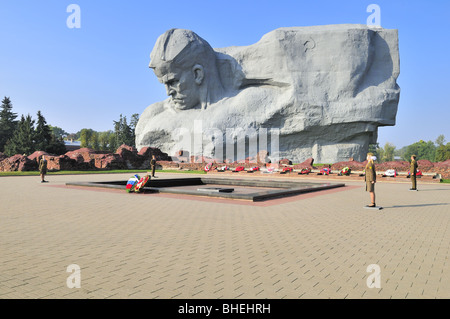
{"x": 413, "y": 172}
{"x": 371, "y": 176}
{"x": 153, "y": 165}
{"x": 43, "y": 166}
{"x": 413, "y": 168}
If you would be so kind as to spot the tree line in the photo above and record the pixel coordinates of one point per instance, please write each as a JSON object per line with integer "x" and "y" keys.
{"x": 437, "y": 151}
{"x": 110, "y": 140}
{"x": 27, "y": 135}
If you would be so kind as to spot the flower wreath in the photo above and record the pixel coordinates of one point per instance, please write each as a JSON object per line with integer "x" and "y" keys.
{"x": 132, "y": 182}
{"x": 140, "y": 185}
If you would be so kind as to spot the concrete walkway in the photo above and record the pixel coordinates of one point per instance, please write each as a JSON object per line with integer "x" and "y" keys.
{"x": 316, "y": 245}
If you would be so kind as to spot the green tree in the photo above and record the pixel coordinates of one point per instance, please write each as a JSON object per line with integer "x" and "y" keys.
{"x": 400, "y": 152}
{"x": 43, "y": 133}
{"x": 123, "y": 132}
{"x": 375, "y": 150}
{"x": 385, "y": 154}
{"x": 58, "y": 132}
{"x": 90, "y": 138}
{"x": 77, "y": 136}
{"x": 86, "y": 137}
{"x": 388, "y": 154}
{"x": 104, "y": 140}
{"x": 72, "y": 136}
{"x": 94, "y": 143}
{"x": 22, "y": 141}
{"x": 379, "y": 153}
{"x": 8, "y": 122}
{"x": 133, "y": 123}
{"x": 134, "y": 120}
{"x": 56, "y": 145}
{"x": 423, "y": 150}
{"x": 443, "y": 153}
{"x": 112, "y": 144}
{"x": 440, "y": 140}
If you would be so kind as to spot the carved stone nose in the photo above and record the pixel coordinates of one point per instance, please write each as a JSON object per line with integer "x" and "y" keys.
{"x": 170, "y": 91}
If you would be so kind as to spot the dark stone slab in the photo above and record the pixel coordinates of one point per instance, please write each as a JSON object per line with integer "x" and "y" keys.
{"x": 216, "y": 189}
{"x": 247, "y": 189}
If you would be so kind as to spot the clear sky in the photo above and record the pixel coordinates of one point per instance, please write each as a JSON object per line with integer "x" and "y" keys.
{"x": 86, "y": 77}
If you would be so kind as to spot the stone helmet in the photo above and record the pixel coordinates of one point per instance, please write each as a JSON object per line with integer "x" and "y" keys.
{"x": 181, "y": 47}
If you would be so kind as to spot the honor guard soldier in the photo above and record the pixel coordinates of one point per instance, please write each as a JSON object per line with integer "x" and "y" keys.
{"x": 370, "y": 178}
{"x": 413, "y": 173}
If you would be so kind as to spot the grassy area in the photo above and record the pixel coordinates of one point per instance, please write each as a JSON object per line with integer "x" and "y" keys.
{"x": 446, "y": 181}
{"x": 36, "y": 173}
{"x": 321, "y": 164}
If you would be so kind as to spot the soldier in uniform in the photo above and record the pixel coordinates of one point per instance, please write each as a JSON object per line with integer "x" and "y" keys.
{"x": 153, "y": 165}
{"x": 370, "y": 178}
{"x": 43, "y": 168}
{"x": 413, "y": 172}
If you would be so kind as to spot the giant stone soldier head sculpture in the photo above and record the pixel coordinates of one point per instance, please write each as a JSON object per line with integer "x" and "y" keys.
{"x": 186, "y": 65}
{"x": 326, "y": 89}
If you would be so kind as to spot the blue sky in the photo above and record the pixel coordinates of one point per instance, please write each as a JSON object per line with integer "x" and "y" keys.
{"x": 86, "y": 77}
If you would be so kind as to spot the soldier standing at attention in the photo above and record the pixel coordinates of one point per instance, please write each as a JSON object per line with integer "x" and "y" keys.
{"x": 413, "y": 173}
{"x": 43, "y": 168}
{"x": 153, "y": 165}
{"x": 370, "y": 178}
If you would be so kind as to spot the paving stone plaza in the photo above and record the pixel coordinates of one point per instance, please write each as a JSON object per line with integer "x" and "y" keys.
{"x": 316, "y": 245}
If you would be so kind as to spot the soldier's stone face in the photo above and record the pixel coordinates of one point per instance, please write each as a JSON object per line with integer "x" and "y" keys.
{"x": 180, "y": 86}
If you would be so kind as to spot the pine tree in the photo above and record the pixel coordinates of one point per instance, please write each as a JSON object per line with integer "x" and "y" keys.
{"x": 22, "y": 141}
{"x": 43, "y": 134}
{"x": 134, "y": 120}
{"x": 123, "y": 132}
{"x": 56, "y": 145}
{"x": 128, "y": 133}
{"x": 133, "y": 123}
{"x": 8, "y": 122}
{"x": 117, "y": 132}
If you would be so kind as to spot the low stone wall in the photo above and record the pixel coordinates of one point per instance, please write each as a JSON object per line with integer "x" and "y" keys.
{"x": 127, "y": 157}
{"x": 17, "y": 163}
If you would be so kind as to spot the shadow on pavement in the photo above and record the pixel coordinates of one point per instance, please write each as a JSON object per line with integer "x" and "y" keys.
{"x": 435, "y": 189}
{"x": 421, "y": 205}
